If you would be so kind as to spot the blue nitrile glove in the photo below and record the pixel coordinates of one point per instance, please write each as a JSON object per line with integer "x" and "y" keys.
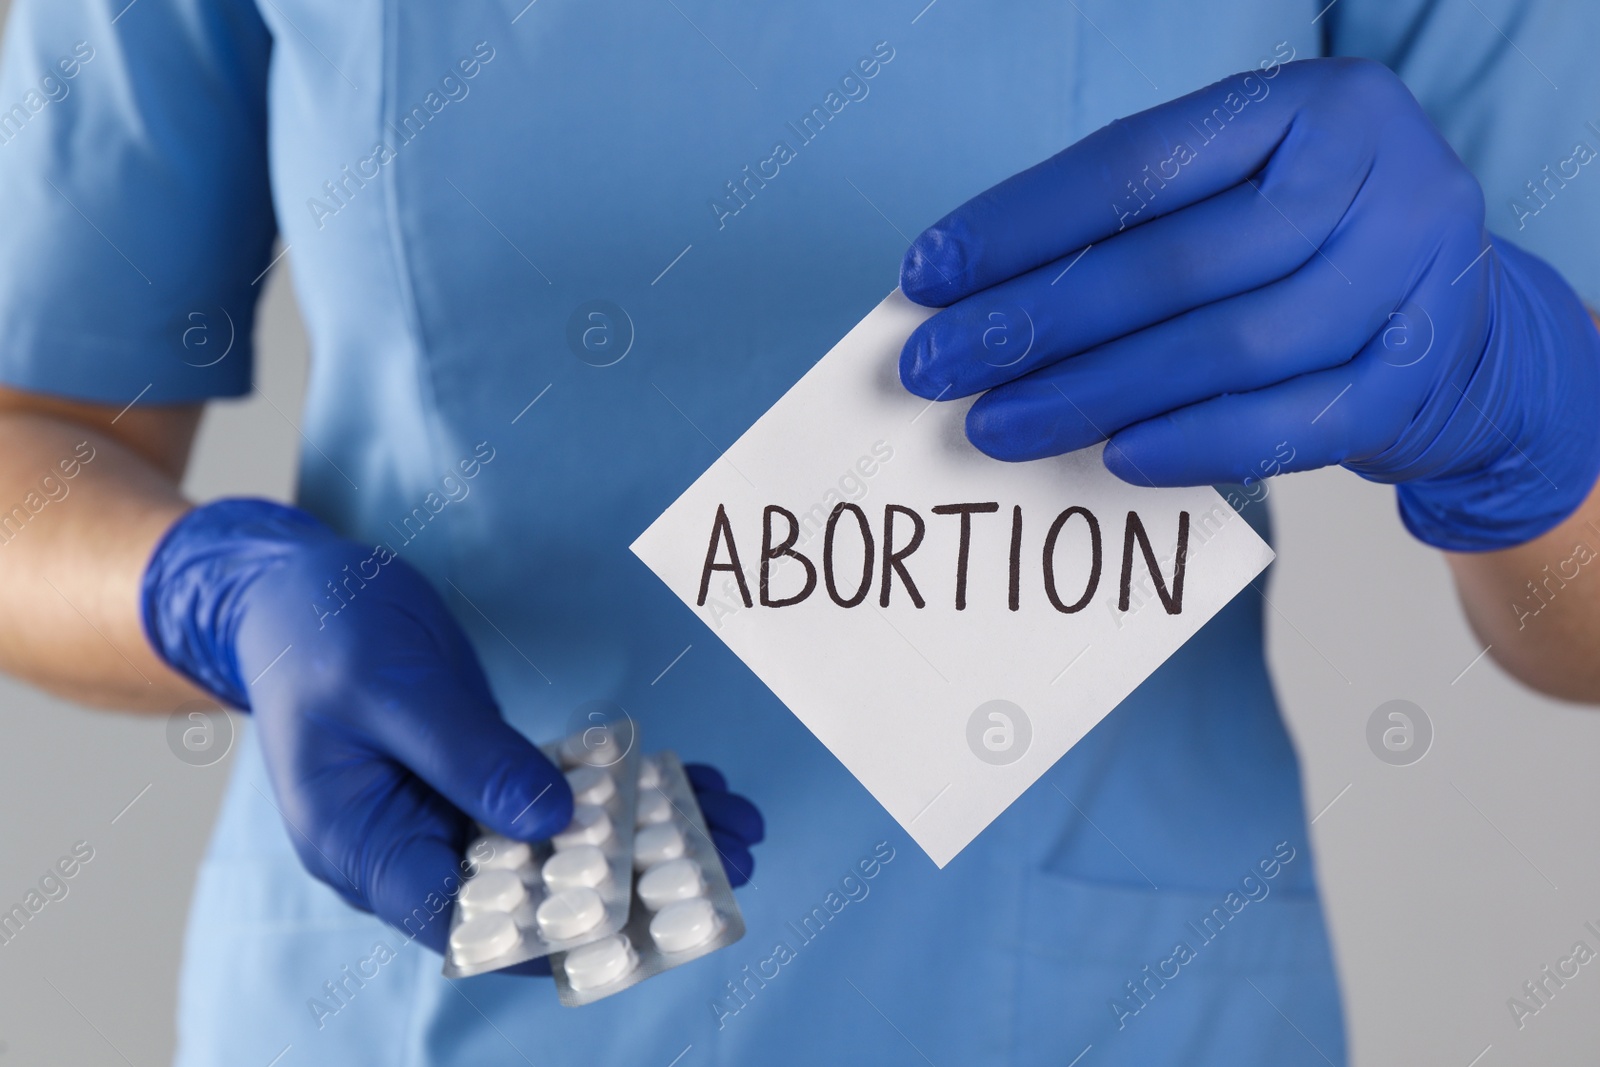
{"x": 1289, "y": 263}
{"x": 734, "y": 822}
{"x": 381, "y": 737}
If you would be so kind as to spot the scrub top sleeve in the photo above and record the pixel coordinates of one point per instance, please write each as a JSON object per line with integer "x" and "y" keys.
{"x": 1515, "y": 87}
{"x": 135, "y": 213}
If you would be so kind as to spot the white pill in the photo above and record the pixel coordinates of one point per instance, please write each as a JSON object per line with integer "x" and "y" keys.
{"x": 681, "y": 926}
{"x": 493, "y": 891}
{"x": 669, "y": 882}
{"x": 492, "y": 852}
{"x": 591, "y": 785}
{"x": 482, "y": 937}
{"x": 653, "y": 807}
{"x": 595, "y": 747}
{"x": 599, "y": 963}
{"x": 657, "y": 844}
{"x": 580, "y": 865}
{"x": 570, "y": 912}
{"x": 649, "y": 774}
{"x": 589, "y": 826}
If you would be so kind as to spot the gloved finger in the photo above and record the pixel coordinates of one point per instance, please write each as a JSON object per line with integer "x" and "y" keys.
{"x": 429, "y": 708}
{"x": 1236, "y": 242}
{"x": 736, "y": 858}
{"x": 463, "y": 748}
{"x": 733, "y": 815}
{"x": 704, "y": 777}
{"x": 1354, "y": 414}
{"x": 387, "y": 844}
{"x": 1326, "y": 417}
{"x": 723, "y": 810}
{"x": 1130, "y": 172}
{"x": 415, "y": 874}
{"x": 323, "y": 869}
{"x": 1310, "y": 321}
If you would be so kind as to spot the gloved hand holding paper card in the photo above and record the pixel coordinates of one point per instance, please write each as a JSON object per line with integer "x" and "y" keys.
{"x": 946, "y": 623}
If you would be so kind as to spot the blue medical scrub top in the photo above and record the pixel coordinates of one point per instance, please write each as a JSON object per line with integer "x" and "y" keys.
{"x": 457, "y": 185}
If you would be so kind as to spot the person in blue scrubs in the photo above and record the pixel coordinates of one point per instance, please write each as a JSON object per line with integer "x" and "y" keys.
{"x": 553, "y": 259}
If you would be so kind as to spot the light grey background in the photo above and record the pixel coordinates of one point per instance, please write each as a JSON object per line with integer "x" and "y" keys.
{"x": 1449, "y": 882}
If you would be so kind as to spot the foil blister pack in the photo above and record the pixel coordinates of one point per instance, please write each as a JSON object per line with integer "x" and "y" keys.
{"x": 527, "y": 900}
{"x": 682, "y": 907}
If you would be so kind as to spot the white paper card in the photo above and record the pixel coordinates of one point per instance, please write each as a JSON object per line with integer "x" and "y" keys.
{"x": 945, "y": 715}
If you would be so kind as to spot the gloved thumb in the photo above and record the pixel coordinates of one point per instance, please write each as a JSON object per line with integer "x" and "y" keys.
{"x": 459, "y": 745}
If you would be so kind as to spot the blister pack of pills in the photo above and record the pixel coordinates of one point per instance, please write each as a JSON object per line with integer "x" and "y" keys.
{"x": 683, "y": 907}
{"x": 529, "y": 900}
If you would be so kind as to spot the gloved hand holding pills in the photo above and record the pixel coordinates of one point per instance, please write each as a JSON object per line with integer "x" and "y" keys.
{"x": 382, "y": 740}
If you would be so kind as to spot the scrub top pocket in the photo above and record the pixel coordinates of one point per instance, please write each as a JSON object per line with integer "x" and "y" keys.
{"x": 1101, "y": 965}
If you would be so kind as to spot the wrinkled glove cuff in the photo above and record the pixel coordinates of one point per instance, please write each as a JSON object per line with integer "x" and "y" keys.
{"x": 193, "y": 591}
{"x": 1527, "y": 423}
